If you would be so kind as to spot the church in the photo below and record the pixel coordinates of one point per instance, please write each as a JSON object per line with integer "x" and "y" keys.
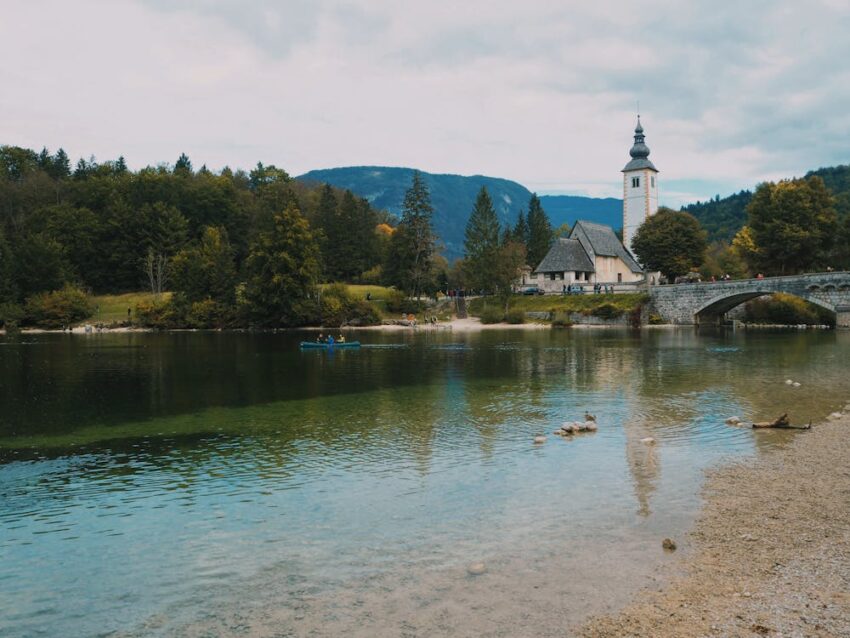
{"x": 593, "y": 253}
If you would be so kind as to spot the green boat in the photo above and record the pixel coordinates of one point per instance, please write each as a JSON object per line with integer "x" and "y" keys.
{"x": 306, "y": 345}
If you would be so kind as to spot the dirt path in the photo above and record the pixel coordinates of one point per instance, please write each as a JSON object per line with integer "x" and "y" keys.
{"x": 769, "y": 555}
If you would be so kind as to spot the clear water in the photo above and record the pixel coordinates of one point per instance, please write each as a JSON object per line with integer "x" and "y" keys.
{"x": 229, "y": 484}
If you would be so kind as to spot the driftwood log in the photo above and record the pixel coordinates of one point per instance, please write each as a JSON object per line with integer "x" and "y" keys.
{"x": 781, "y": 423}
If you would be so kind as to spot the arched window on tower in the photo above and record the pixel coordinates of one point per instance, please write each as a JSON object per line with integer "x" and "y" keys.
{"x": 635, "y": 182}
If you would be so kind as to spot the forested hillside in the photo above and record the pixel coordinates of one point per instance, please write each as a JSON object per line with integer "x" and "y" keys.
{"x": 453, "y": 197}
{"x": 723, "y": 217}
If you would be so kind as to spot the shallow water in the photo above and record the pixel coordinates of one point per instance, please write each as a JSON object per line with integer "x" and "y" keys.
{"x": 217, "y": 483}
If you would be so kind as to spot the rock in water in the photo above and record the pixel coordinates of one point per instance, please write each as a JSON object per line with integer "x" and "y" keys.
{"x": 579, "y": 427}
{"x": 591, "y": 426}
{"x": 567, "y": 428}
{"x": 648, "y": 440}
{"x": 476, "y": 569}
{"x": 540, "y": 439}
{"x": 796, "y": 384}
{"x": 789, "y": 382}
{"x": 669, "y": 545}
{"x": 733, "y": 420}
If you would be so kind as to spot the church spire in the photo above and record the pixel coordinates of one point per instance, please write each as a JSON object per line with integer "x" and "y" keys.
{"x": 639, "y": 151}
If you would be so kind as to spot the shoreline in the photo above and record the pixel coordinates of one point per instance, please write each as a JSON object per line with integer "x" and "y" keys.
{"x": 769, "y": 554}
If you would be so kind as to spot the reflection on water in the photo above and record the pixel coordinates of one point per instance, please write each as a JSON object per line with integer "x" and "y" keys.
{"x": 208, "y": 483}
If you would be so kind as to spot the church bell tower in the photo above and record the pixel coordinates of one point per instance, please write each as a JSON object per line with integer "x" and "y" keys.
{"x": 640, "y": 187}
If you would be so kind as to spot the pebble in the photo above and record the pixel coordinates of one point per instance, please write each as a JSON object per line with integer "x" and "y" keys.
{"x": 733, "y": 420}
{"x": 648, "y": 440}
{"x": 669, "y": 545}
{"x": 476, "y": 569}
{"x": 540, "y": 439}
{"x": 796, "y": 384}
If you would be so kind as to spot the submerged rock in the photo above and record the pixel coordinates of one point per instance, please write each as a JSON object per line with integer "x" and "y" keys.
{"x": 733, "y": 420}
{"x": 796, "y": 384}
{"x": 591, "y": 426}
{"x": 540, "y": 439}
{"x": 648, "y": 440}
{"x": 476, "y": 569}
{"x": 668, "y": 545}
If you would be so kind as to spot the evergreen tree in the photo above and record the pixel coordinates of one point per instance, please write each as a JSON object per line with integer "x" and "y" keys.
{"x": 417, "y": 251}
{"x": 61, "y": 164}
{"x": 183, "y": 165}
{"x": 326, "y": 222}
{"x": 282, "y": 271}
{"x": 539, "y": 232}
{"x": 120, "y": 165}
{"x": 520, "y": 232}
{"x": 481, "y": 242}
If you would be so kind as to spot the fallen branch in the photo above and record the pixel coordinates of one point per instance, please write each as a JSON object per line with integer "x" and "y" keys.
{"x": 781, "y": 423}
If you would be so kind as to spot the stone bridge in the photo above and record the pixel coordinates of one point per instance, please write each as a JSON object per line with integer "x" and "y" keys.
{"x": 709, "y": 302}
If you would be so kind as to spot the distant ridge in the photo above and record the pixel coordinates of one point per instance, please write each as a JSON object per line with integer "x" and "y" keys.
{"x": 453, "y": 197}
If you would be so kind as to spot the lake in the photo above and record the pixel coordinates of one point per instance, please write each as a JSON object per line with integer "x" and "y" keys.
{"x": 204, "y": 483}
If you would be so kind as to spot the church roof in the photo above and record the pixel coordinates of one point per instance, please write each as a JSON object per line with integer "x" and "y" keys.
{"x": 566, "y": 255}
{"x": 639, "y": 152}
{"x": 599, "y": 239}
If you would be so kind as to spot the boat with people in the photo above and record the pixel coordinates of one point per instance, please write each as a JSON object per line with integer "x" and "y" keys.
{"x": 306, "y": 345}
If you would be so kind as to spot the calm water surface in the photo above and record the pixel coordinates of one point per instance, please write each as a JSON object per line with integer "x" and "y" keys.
{"x": 214, "y": 484}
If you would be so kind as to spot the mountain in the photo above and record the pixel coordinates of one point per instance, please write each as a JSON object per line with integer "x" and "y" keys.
{"x": 723, "y": 217}
{"x": 453, "y": 197}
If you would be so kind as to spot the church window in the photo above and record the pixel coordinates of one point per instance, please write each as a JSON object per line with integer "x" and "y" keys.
{"x": 652, "y": 181}
{"x": 635, "y": 182}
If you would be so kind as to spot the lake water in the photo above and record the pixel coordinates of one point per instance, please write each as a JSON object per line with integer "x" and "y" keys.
{"x": 206, "y": 484}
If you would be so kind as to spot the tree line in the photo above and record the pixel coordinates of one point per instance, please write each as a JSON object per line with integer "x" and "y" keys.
{"x": 235, "y": 247}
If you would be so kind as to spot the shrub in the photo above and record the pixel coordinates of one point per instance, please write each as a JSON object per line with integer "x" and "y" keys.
{"x": 398, "y": 302}
{"x": 491, "y": 314}
{"x": 209, "y": 314}
{"x": 160, "y": 314}
{"x": 515, "y": 316}
{"x": 785, "y": 309}
{"x": 11, "y": 315}
{"x": 373, "y": 276}
{"x": 607, "y": 310}
{"x": 53, "y": 310}
{"x": 338, "y": 307}
{"x": 655, "y": 320}
{"x": 561, "y": 320}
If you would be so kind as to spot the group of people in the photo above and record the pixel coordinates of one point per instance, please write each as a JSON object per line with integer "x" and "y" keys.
{"x": 329, "y": 339}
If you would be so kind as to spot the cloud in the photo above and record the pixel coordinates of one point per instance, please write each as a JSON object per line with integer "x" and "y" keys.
{"x": 542, "y": 92}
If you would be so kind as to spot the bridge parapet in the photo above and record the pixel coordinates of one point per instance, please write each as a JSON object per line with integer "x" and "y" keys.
{"x": 708, "y": 301}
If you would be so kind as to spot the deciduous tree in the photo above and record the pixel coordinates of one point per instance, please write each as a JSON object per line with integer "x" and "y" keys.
{"x": 670, "y": 242}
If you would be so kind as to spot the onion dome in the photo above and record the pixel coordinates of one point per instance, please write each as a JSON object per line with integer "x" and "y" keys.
{"x": 639, "y": 152}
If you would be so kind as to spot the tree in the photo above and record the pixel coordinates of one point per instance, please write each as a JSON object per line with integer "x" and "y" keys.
{"x": 793, "y": 225}
{"x": 521, "y": 229}
{"x": 8, "y": 288}
{"x": 507, "y": 267}
{"x": 481, "y": 242}
{"x": 61, "y": 164}
{"x": 413, "y": 242}
{"x": 183, "y": 166}
{"x": 156, "y": 269}
{"x": 206, "y": 270}
{"x": 670, "y": 242}
{"x": 539, "y": 232}
{"x": 282, "y": 271}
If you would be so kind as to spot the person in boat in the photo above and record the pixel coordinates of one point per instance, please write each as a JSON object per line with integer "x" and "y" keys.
{"x": 341, "y": 339}
{"x": 330, "y": 340}
{"x": 320, "y": 338}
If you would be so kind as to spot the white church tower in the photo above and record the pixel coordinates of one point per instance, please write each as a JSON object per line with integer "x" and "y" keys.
{"x": 640, "y": 188}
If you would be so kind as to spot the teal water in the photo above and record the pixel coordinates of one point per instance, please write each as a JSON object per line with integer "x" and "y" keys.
{"x": 227, "y": 483}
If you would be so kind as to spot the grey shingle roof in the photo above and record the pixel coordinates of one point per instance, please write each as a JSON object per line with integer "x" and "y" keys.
{"x": 638, "y": 163}
{"x": 564, "y": 256}
{"x": 599, "y": 239}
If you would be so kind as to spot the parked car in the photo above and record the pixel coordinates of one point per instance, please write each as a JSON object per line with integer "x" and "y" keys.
{"x": 533, "y": 290}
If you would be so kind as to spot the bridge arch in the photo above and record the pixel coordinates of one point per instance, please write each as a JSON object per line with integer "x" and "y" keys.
{"x": 715, "y": 308}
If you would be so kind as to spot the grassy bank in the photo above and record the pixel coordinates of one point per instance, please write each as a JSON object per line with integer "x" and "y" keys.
{"x": 583, "y": 304}
{"x": 113, "y": 308}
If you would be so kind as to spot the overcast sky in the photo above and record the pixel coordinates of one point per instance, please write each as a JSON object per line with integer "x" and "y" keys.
{"x": 541, "y": 92}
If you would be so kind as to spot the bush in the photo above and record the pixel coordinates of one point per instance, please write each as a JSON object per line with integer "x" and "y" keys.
{"x": 782, "y": 309}
{"x": 57, "y": 309}
{"x": 338, "y": 307}
{"x": 491, "y": 314}
{"x": 160, "y": 314}
{"x": 561, "y": 320}
{"x": 607, "y": 311}
{"x": 655, "y": 320}
{"x": 398, "y": 302}
{"x": 210, "y": 314}
{"x": 515, "y": 316}
{"x": 373, "y": 276}
{"x": 10, "y": 316}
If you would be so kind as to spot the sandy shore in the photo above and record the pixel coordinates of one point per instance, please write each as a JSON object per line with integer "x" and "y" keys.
{"x": 769, "y": 555}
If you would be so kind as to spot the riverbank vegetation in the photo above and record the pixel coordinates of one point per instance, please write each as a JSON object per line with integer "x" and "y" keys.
{"x": 610, "y": 306}
{"x": 786, "y": 310}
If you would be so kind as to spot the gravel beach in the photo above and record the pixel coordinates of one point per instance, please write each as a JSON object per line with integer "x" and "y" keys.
{"x": 768, "y": 556}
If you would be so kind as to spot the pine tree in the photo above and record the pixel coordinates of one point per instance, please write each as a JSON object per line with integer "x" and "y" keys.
{"x": 481, "y": 241}
{"x": 520, "y": 232}
{"x": 120, "y": 165}
{"x": 418, "y": 250}
{"x": 183, "y": 165}
{"x": 61, "y": 164}
{"x": 539, "y": 232}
